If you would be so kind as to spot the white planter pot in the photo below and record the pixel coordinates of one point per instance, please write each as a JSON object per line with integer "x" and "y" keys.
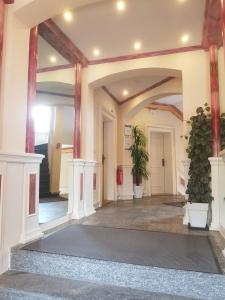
{"x": 138, "y": 191}
{"x": 198, "y": 213}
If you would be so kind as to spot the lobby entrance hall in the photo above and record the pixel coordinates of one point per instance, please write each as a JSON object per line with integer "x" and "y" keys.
{"x": 112, "y": 149}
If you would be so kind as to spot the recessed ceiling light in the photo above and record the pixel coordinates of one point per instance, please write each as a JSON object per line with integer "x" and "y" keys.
{"x": 137, "y": 45}
{"x": 53, "y": 59}
{"x": 96, "y": 52}
{"x": 125, "y": 92}
{"x": 121, "y": 5}
{"x": 68, "y": 16}
{"x": 185, "y": 38}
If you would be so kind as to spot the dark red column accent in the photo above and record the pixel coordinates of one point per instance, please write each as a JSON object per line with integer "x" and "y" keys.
{"x": 32, "y": 69}
{"x": 2, "y": 14}
{"x": 215, "y": 104}
{"x": 77, "y": 106}
{"x": 32, "y": 194}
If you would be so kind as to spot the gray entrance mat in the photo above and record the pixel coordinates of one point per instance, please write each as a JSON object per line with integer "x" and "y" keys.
{"x": 146, "y": 248}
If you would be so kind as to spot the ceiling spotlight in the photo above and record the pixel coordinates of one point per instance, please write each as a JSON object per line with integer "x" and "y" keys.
{"x": 137, "y": 45}
{"x": 68, "y": 16}
{"x": 96, "y": 52}
{"x": 125, "y": 92}
{"x": 185, "y": 38}
{"x": 53, "y": 59}
{"x": 121, "y": 5}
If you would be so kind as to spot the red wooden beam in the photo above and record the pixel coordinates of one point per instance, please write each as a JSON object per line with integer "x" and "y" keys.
{"x": 110, "y": 94}
{"x": 32, "y": 68}
{"x": 215, "y": 104}
{"x": 146, "y": 54}
{"x": 155, "y": 85}
{"x": 55, "y": 68}
{"x": 77, "y": 106}
{"x": 51, "y": 33}
{"x": 166, "y": 107}
{"x": 212, "y": 34}
{"x": 9, "y": 1}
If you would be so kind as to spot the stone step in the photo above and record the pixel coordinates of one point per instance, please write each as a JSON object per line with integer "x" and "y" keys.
{"x": 179, "y": 283}
{"x": 18, "y": 285}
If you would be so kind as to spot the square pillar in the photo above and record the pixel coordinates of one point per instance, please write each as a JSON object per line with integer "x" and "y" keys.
{"x": 186, "y": 164}
{"x": 217, "y": 165}
{"x": 19, "y": 194}
{"x": 81, "y": 190}
{"x": 89, "y": 167}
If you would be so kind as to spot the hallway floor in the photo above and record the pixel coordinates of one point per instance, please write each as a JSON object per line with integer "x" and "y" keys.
{"x": 154, "y": 214}
{"x": 50, "y": 211}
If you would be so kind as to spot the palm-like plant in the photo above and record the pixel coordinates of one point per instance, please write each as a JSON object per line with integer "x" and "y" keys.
{"x": 139, "y": 156}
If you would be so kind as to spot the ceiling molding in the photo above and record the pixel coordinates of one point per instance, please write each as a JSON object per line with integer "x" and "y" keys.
{"x": 212, "y": 31}
{"x": 145, "y": 54}
{"x": 55, "y": 68}
{"x": 110, "y": 94}
{"x": 167, "y": 107}
{"x": 53, "y": 35}
{"x": 55, "y": 94}
{"x": 155, "y": 85}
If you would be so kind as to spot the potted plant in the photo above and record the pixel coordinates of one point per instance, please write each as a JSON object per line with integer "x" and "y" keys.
{"x": 199, "y": 150}
{"x": 140, "y": 159}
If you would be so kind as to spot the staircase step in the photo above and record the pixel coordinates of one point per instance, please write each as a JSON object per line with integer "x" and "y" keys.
{"x": 149, "y": 279}
{"x": 18, "y": 285}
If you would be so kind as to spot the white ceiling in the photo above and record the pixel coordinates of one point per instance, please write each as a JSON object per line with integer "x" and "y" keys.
{"x": 175, "y": 100}
{"x": 158, "y": 24}
{"x": 132, "y": 85}
{"x": 45, "y": 51}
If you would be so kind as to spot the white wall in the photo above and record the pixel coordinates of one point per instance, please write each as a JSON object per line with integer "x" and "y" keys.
{"x": 147, "y": 118}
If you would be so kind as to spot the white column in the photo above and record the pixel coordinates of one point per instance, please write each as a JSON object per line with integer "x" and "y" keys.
{"x": 216, "y": 164}
{"x": 186, "y": 164}
{"x": 81, "y": 192}
{"x": 89, "y": 187}
{"x": 19, "y": 194}
{"x": 76, "y": 183}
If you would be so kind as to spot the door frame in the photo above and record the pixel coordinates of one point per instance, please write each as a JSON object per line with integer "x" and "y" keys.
{"x": 111, "y": 118}
{"x": 171, "y": 131}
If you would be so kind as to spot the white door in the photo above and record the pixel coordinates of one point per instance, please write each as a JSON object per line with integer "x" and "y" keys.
{"x": 157, "y": 169}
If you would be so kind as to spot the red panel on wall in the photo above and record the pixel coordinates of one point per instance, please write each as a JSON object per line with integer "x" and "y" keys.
{"x": 32, "y": 194}
{"x": 94, "y": 181}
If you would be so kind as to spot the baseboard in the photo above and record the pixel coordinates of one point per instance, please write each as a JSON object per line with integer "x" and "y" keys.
{"x": 125, "y": 197}
{"x": 31, "y": 236}
{"x": 5, "y": 261}
{"x": 55, "y": 223}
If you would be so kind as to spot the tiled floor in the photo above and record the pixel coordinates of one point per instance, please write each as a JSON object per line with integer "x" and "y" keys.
{"x": 52, "y": 210}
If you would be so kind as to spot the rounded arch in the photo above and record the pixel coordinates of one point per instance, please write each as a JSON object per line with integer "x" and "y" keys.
{"x": 132, "y": 72}
{"x": 143, "y": 104}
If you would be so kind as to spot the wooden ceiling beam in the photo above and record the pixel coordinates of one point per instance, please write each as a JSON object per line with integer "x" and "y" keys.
{"x": 53, "y": 35}
{"x": 110, "y": 94}
{"x": 8, "y": 1}
{"x": 212, "y": 31}
{"x": 167, "y": 107}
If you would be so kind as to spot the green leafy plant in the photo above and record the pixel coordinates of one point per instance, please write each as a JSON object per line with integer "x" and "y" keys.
{"x": 222, "y": 120}
{"x": 139, "y": 156}
{"x": 199, "y": 150}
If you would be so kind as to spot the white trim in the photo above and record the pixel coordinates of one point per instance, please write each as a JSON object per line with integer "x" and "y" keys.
{"x": 170, "y": 130}
{"x": 54, "y": 223}
{"x": 111, "y": 118}
{"x": 21, "y": 158}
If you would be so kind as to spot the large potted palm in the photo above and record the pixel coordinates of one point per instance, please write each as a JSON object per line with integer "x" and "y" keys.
{"x": 140, "y": 159}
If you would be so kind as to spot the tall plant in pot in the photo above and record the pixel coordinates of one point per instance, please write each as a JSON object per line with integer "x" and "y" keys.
{"x": 140, "y": 158}
{"x": 199, "y": 150}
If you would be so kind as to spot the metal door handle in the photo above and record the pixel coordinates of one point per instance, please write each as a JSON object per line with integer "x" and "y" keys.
{"x": 163, "y": 162}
